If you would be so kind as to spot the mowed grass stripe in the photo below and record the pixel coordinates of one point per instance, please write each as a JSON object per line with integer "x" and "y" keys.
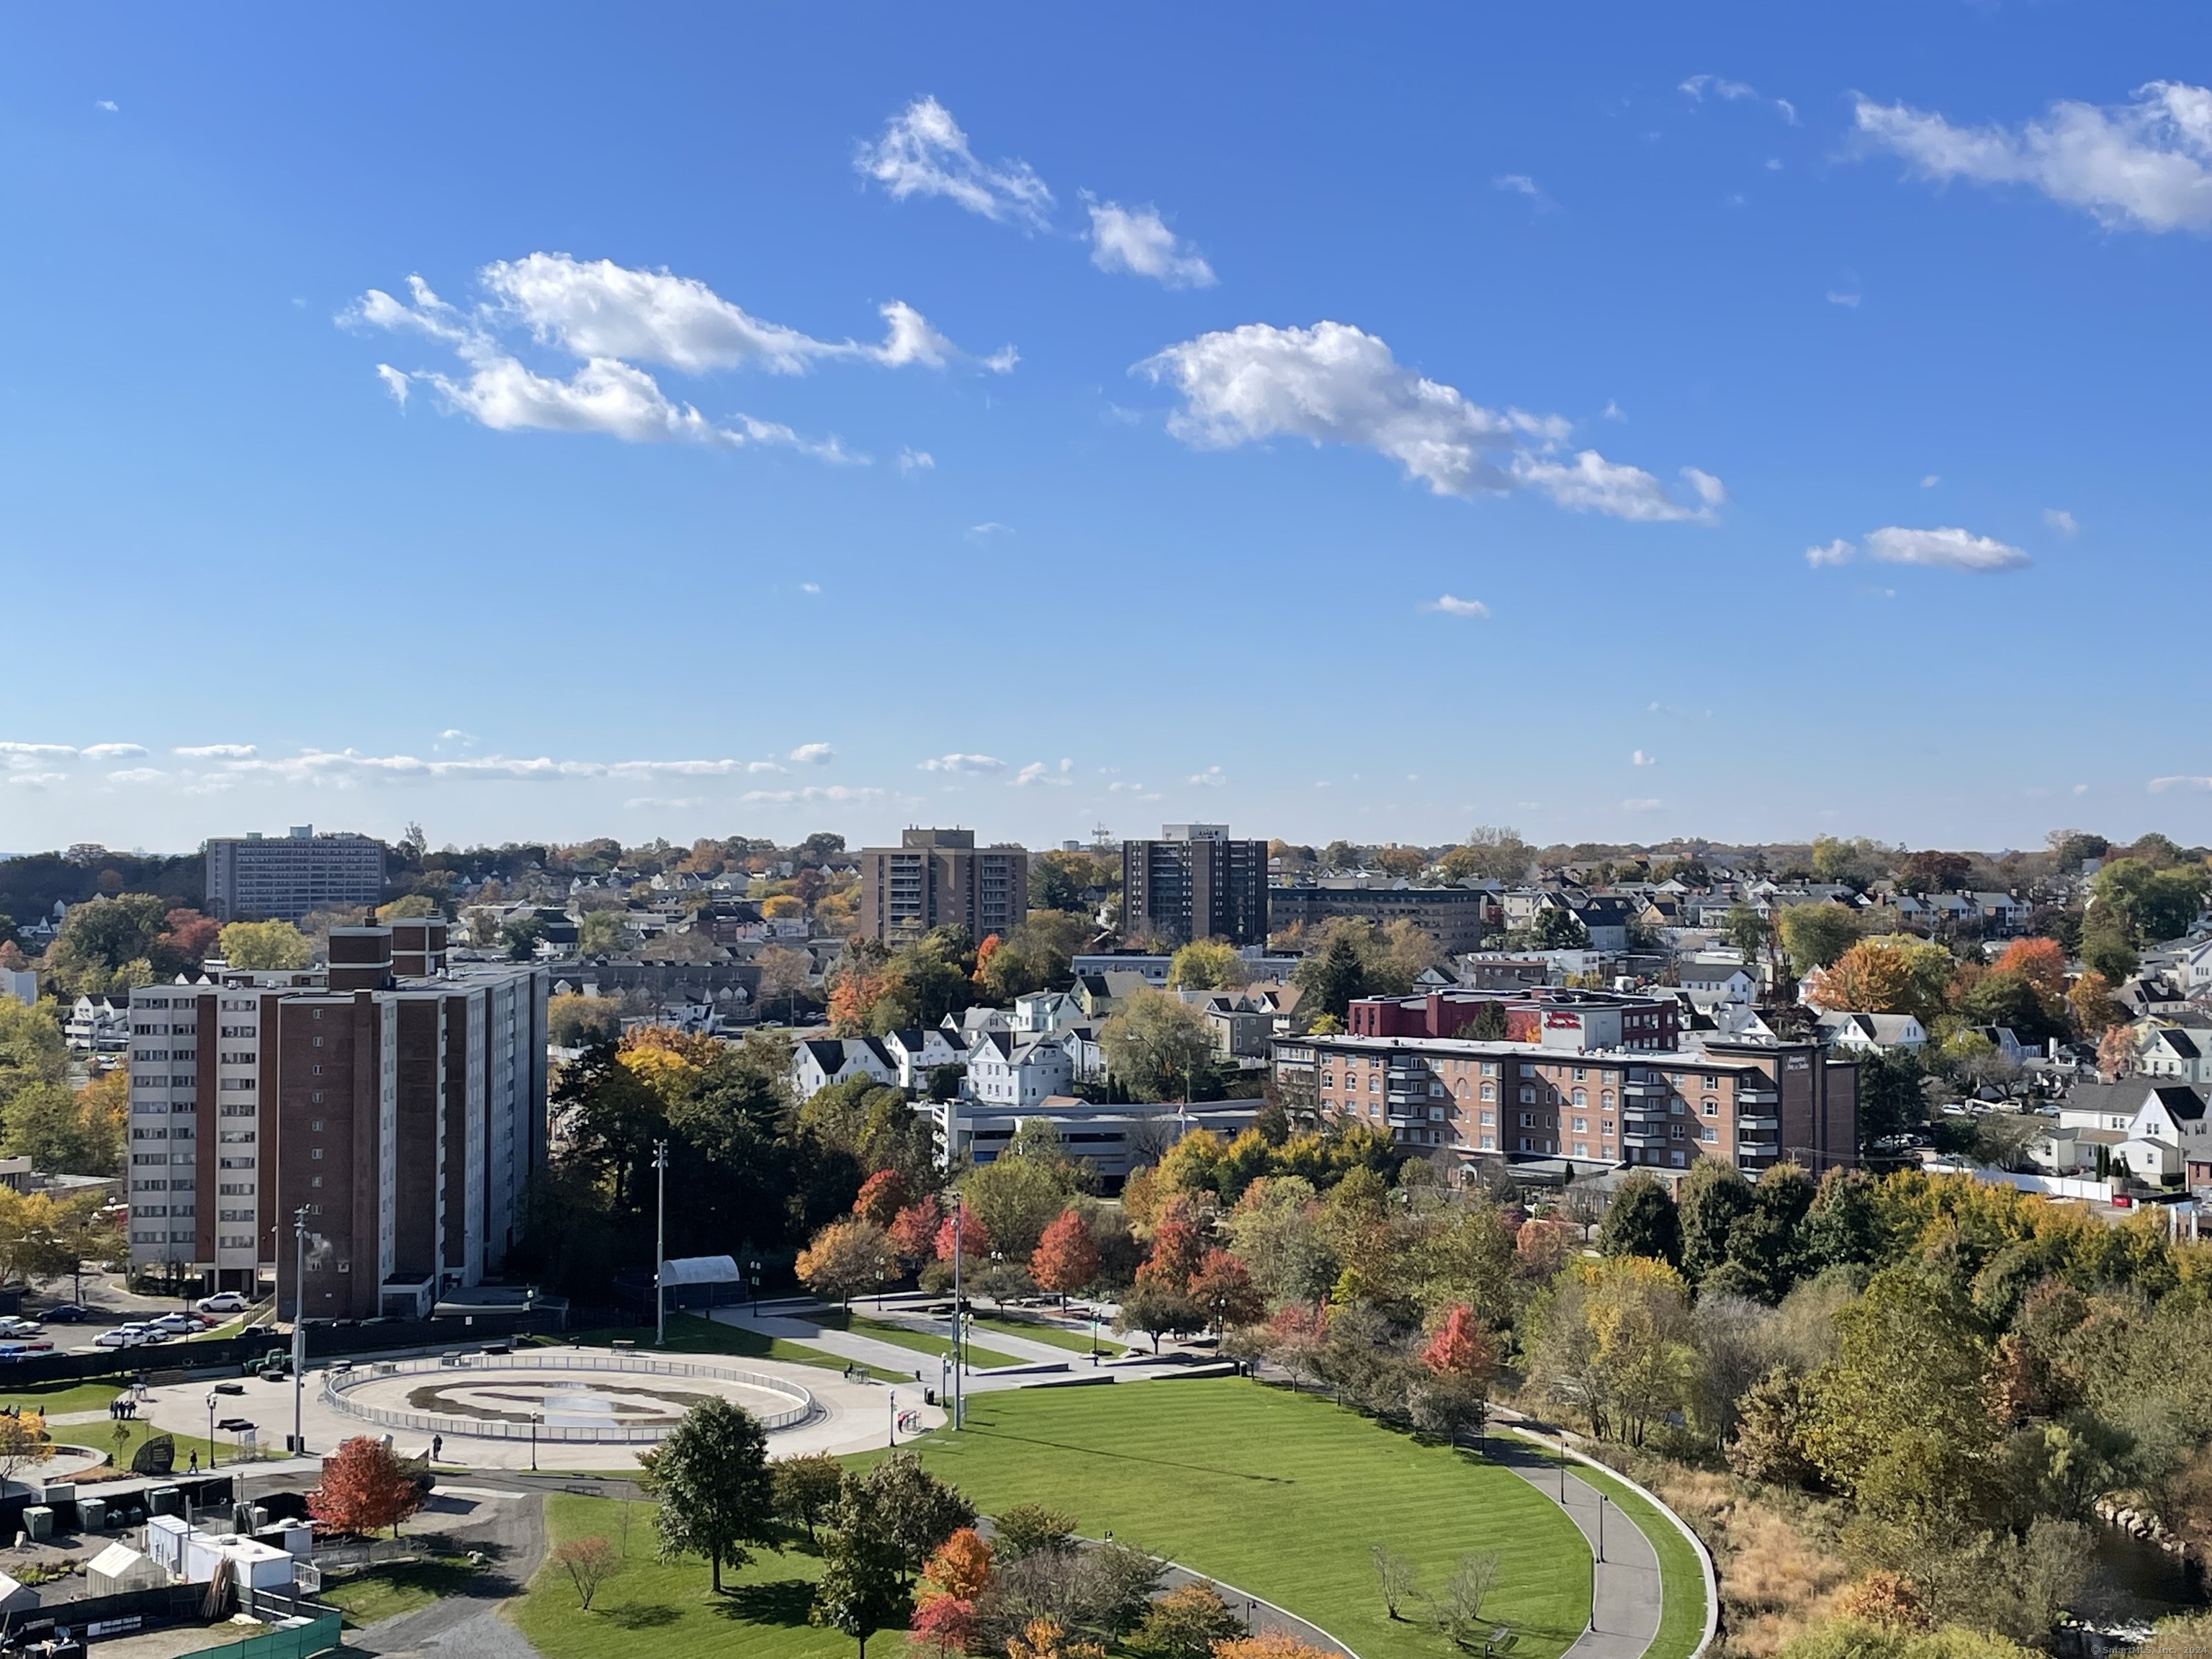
{"x": 1279, "y": 1495}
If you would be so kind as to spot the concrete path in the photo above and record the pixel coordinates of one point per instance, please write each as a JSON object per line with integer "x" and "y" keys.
{"x": 1628, "y": 1598}
{"x": 794, "y": 1325}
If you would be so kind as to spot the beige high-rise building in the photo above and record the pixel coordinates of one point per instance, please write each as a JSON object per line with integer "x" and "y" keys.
{"x": 941, "y": 878}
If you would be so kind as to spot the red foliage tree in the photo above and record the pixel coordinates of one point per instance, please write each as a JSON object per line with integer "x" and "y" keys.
{"x": 946, "y": 1623}
{"x": 883, "y": 1195}
{"x": 913, "y": 1231}
{"x": 1224, "y": 1287}
{"x": 1176, "y": 1254}
{"x": 1461, "y": 1347}
{"x": 975, "y": 1238}
{"x": 189, "y": 934}
{"x": 2041, "y": 962}
{"x": 364, "y": 1488}
{"x": 1066, "y": 1257}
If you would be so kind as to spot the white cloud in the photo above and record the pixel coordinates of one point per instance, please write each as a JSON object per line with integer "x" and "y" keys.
{"x": 2145, "y": 165}
{"x": 1639, "y": 758}
{"x": 1851, "y": 300}
{"x": 2160, "y": 785}
{"x": 963, "y": 763}
{"x": 1125, "y": 788}
{"x": 1036, "y": 772}
{"x": 218, "y": 752}
{"x": 2060, "y": 520}
{"x": 1949, "y": 549}
{"x": 992, "y": 528}
{"x": 752, "y": 766}
{"x": 455, "y": 734}
{"x": 1931, "y": 481}
{"x": 1137, "y": 240}
{"x": 1333, "y": 384}
{"x": 813, "y": 754}
{"x": 612, "y": 318}
{"x": 1612, "y": 411}
{"x": 1699, "y": 87}
{"x": 923, "y": 152}
{"x": 1642, "y": 804}
{"x": 105, "y": 104}
{"x": 809, "y": 587}
{"x": 637, "y": 803}
{"x": 916, "y": 460}
{"x": 36, "y": 780}
{"x": 834, "y": 792}
{"x": 1452, "y": 606}
{"x": 101, "y": 751}
{"x": 1520, "y": 182}
{"x": 137, "y": 774}
{"x": 1213, "y": 778}
{"x": 1838, "y": 552}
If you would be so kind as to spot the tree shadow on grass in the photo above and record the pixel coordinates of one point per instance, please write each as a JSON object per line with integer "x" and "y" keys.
{"x": 641, "y": 1618}
{"x": 784, "y": 1601}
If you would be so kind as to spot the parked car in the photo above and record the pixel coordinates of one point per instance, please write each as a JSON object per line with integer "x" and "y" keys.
{"x": 177, "y": 1324}
{"x": 68, "y": 1313}
{"x": 222, "y": 1302}
{"x": 12, "y": 1325}
{"x": 121, "y": 1337}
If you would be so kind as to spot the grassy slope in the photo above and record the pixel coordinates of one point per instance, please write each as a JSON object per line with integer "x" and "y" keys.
{"x": 1060, "y": 1336}
{"x": 402, "y": 1587}
{"x": 688, "y": 1334}
{"x": 669, "y": 1609}
{"x": 1280, "y": 1495}
{"x": 905, "y": 1336}
{"x": 56, "y": 1397}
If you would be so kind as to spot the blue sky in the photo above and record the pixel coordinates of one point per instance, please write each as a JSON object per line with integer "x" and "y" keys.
{"x": 1726, "y": 422}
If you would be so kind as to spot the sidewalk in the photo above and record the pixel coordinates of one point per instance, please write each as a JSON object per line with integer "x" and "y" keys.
{"x": 1627, "y": 1598}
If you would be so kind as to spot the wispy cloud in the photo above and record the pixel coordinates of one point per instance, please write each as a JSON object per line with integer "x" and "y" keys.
{"x": 1036, "y": 772}
{"x": 813, "y": 754}
{"x": 916, "y": 460}
{"x": 1701, "y": 87}
{"x": 1849, "y": 300}
{"x": 830, "y": 791}
{"x": 923, "y": 152}
{"x": 2060, "y": 520}
{"x": 217, "y": 751}
{"x": 958, "y": 763}
{"x": 1639, "y": 758}
{"x": 2145, "y": 165}
{"x": 1947, "y": 548}
{"x": 1333, "y": 384}
{"x": 2161, "y": 785}
{"x": 1931, "y": 481}
{"x": 1137, "y": 240}
{"x": 1519, "y": 184}
{"x": 1451, "y": 606}
{"x": 1642, "y": 804}
{"x": 1213, "y": 778}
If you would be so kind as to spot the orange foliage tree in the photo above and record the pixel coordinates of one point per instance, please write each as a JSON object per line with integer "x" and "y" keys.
{"x": 1268, "y": 1645}
{"x": 364, "y": 1488}
{"x": 1175, "y": 1257}
{"x": 882, "y": 1196}
{"x": 914, "y": 1231}
{"x": 1461, "y": 1347}
{"x": 974, "y": 1237}
{"x": 1066, "y": 1257}
{"x": 2091, "y": 998}
{"x": 1892, "y": 975}
{"x": 1222, "y": 1286}
{"x": 2041, "y": 962}
{"x": 944, "y": 1601}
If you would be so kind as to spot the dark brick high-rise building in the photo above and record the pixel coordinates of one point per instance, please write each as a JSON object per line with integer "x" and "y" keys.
{"x": 1196, "y": 883}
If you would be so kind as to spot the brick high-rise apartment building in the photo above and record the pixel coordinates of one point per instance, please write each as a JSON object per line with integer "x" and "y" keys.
{"x": 941, "y": 878}
{"x": 400, "y": 1101}
{"x": 1750, "y": 1104}
{"x": 1196, "y": 883}
{"x": 282, "y": 878}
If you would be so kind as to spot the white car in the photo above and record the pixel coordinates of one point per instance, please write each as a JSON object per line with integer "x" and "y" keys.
{"x": 177, "y": 1324}
{"x": 222, "y": 1302}
{"x": 121, "y": 1337}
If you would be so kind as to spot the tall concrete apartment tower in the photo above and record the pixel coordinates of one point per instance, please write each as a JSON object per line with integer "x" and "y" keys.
{"x": 282, "y": 878}
{"x": 941, "y": 878}
{"x": 1196, "y": 883}
{"x": 401, "y": 1101}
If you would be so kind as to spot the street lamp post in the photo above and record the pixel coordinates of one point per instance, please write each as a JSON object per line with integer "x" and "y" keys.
{"x": 660, "y": 1246}
{"x": 883, "y": 1266}
{"x": 536, "y": 1417}
{"x": 894, "y": 1395}
{"x": 753, "y": 1271}
{"x": 211, "y": 1447}
{"x": 298, "y": 1323}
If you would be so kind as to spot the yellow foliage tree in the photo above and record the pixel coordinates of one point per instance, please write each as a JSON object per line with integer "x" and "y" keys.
{"x": 1891, "y": 975}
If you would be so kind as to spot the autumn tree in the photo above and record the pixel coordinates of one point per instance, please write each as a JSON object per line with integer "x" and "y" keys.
{"x": 881, "y": 1197}
{"x": 1892, "y": 975}
{"x": 846, "y": 1257}
{"x": 2041, "y": 962}
{"x": 1176, "y": 1256}
{"x": 1205, "y": 964}
{"x": 1185, "y": 1623}
{"x": 364, "y": 1488}
{"x": 1268, "y": 1645}
{"x": 1157, "y": 1046}
{"x": 23, "y": 1442}
{"x": 2090, "y": 997}
{"x": 944, "y": 1603}
{"x": 265, "y": 945}
{"x": 1224, "y": 1288}
{"x": 914, "y": 1231}
{"x": 1461, "y": 1347}
{"x": 589, "y": 1563}
{"x": 716, "y": 1496}
{"x": 1067, "y": 1257}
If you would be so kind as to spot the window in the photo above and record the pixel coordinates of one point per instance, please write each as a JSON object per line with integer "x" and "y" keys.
{"x": 317, "y": 1152}
{"x": 1709, "y": 1133}
{"x": 1606, "y": 1128}
{"x": 1581, "y": 1073}
{"x": 1374, "y": 1084}
{"x": 1606, "y": 1100}
{"x": 236, "y": 1241}
{"x": 1527, "y": 1120}
{"x": 1490, "y": 1091}
{"x": 233, "y": 1215}
{"x": 1676, "y": 1132}
{"x": 315, "y": 1181}
{"x": 1489, "y": 1068}
{"x": 1582, "y": 1126}
{"x": 1528, "y": 1096}
{"x": 234, "y": 1137}
{"x": 317, "y": 1070}
{"x": 1582, "y": 1149}
{"x": 1582, "y": 1097}
{"x": 316, "y": 1124}
{"x": 1489, "y": 1117}
{"x": 1712, "y": 1108}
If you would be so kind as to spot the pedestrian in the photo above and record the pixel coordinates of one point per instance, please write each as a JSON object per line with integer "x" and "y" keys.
{"x": 437, "y": 1448}
{"x": 194, "y": 1468}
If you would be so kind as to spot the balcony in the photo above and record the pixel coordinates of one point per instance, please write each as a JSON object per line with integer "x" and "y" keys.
{"x": 1661, "y": 1090}
{"x": 1400, "y": 1116}
{"x": 1757, "y": 1148}
{"x": 1756, "y": 1124}
{"x": 1634, "y": 1137}
{"x": 1758, "y": 1096}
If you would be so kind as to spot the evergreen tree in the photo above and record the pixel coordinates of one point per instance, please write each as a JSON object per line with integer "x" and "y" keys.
{"x": 1642, "y": 1221}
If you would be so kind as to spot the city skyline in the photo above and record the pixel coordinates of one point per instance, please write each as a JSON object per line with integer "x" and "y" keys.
{"x": 1720, "y": 427}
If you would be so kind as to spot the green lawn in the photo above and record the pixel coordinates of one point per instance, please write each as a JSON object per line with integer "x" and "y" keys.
{"x": 1281, "y": 1495}
{"x": 688, "y": 1334}
{"x": 1060, "y": 1336}
{"x": 401, "y": 1587}
{"x": 1682, "y": 1620}
{"x": 905, "y": 1336}
{"x": 670, "y": 1608}
{"x": 56, "y": 1397}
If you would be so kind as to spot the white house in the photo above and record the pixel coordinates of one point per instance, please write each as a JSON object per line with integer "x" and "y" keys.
{"x": 1046, "y": 1011}
{"x": 917, "y": 1053}
{"x": 1882, "y": 1032}
{"x": 21, "y": 983}
{"x": 2172, "y": 1051}
{"x": 823, "y": 1061}
{"x": 1730, "y": 981}
{"x": 1007, "y": 1068}
{"x": 97, "y": 1024}
{"x": 2169, "y": 1135}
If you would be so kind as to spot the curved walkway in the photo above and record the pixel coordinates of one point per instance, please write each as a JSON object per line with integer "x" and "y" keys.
{"x": 1627, "y": 1597}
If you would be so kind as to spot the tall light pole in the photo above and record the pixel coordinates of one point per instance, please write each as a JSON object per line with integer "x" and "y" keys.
{"x": 960, "y": 1388}
{"x": 298, "y": 1323}
{"x": 659, "y": 1246}
{"x": 210, "y": 1405}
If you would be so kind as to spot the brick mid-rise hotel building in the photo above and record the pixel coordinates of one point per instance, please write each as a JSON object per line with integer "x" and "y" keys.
{"x": 1751, "y": 1105}
{"x": 400, "y": 1102}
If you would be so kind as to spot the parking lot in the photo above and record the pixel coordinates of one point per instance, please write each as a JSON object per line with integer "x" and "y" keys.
{"x": 107, "y": 1305}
